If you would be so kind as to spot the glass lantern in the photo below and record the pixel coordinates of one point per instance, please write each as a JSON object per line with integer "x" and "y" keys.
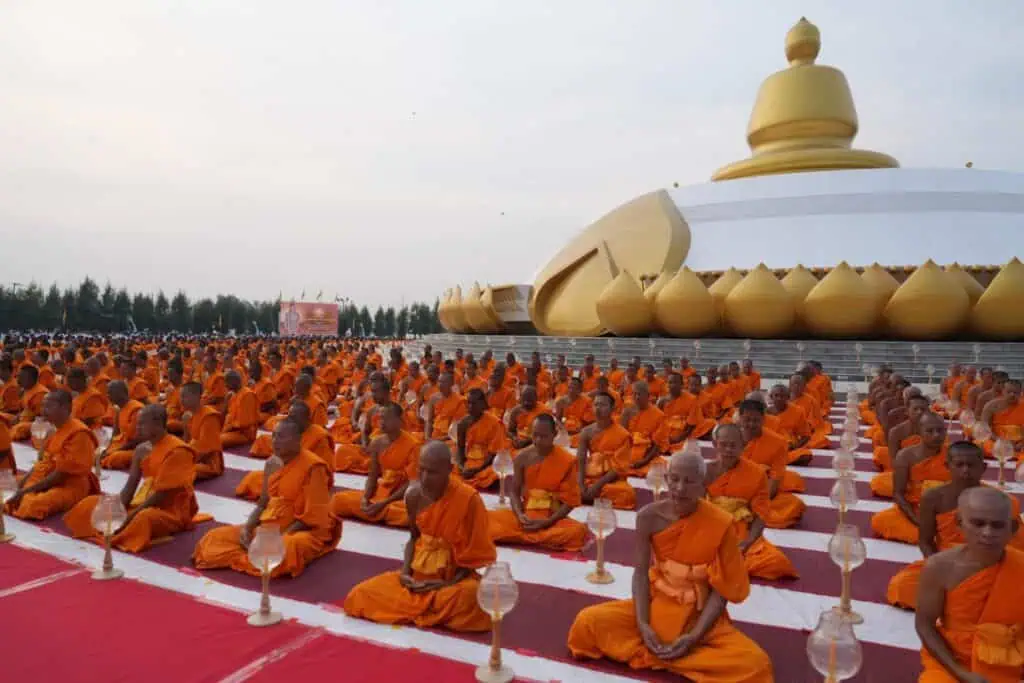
{"x": 266, "y": 552}
{"x": 656, "y": 477}
{"x": 602, "y": 522}
{"x": 107, "y": 517}
{"x": 497, "y": 595}
{"x": 41, "y": 430}
{"x": 410, "y": 397}
{"x": 849, "y": 440}
{"x": 502, "y": 467}
{"x": 833, "y": 649}
{"x": 844, "y": 462}
{"x": 982, "y": 432}
{"x": 967, "y": 418}
{"x": 846, "y": 548}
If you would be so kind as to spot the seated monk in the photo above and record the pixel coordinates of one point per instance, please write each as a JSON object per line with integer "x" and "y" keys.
{"x": 903, "y": 435}
{"x": 137, "y": 389}
{"x": 1005, "y": 417}
{"x": 520, "y": 418}
{"x": 448, "y": 541}
{"x": 946, "y": 384}
{"x": 751, "y": 376}
{"x": 478, "y": 439}
{"x": 443, "y": 409}
{"x": 718, "y": 393}
{"x": 985, "y": 382}
{"x": 792, "y": 422}
{"x": 819, "y": 384}
{"x": 500, "y": 399}
{"x": 969, "y": 606}
{"x": 6, "y": 452}
{"x": 88, "y": 405}
{"x": 10, "y": 391}
{"x": 393, "y": 459}
{"x": 266, "y": 392}
{"x": 32, "y": 395}
{"x": 172, "y": 398}
{"x": 688, "y": 566}
{"x": 366, "y": 414}
{"x": 202, "y": 432}
{"x": 643, "y": 420}
{"x": 574, "y": 410}
{"x": 262, "y": 447}
{"x": 684, "y": 412}
{"x": 243, "y": 413}
{"x": 888, "y": 402}
{"x": 158, "y": 494}
{"x": 314, "y": 439}
{"x": 63, "y": 474}
{"x": 940, "y": 529}
{"x": 119, "y": 454}
{"x": 770, "y": 451}
{"x": 817, "y": 415}
{"x": 295, "y": 497}
{"x": 740, "y": 487}
{"x": 915, "y": 470}
{"x": 603, "y": 455}
{"x": 545, "y": 489}
{"x": 215, "y": 390}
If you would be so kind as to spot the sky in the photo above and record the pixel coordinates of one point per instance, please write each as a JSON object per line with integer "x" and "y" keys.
{"x": 386, "y": 150}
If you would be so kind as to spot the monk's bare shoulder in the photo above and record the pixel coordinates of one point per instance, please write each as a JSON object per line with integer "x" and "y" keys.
{"x": 941, "y": 564}
{"x": 907, "y": 456}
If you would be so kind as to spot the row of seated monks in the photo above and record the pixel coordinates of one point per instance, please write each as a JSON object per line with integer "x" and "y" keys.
{"x": 427, "y": 438}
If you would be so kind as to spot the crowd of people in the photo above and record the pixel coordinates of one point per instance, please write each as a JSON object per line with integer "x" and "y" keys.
{"x": 430, "y": 432}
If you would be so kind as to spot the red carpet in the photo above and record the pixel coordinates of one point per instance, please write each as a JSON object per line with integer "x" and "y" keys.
{"x": 19, "y": 565}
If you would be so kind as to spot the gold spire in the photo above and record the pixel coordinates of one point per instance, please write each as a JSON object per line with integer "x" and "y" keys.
{"x": 804, "y": 118}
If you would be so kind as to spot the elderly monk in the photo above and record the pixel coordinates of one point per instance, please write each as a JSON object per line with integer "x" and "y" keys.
{"x": 915, "y": 470}
{"x": 88, "y": 405}
{"x": 603, "y": 455}
{"x": 313, "y": 438}
{"x": 791, "y": 421}
{"x": 121, "y": 450}
{"x": 62, "y": 475}
{"x": 770, "y": 452}
{"x": 202, "y": 432}
{"x": 574, "y": 410}
{"x": 448, "y": 541}
{"x": 295, "y": 497}
{"x": 688, "y": 565}
{"x": 393, "y": 459}
{"x": 243, "y": 413}
{"x": 684, "y": 412}
{"x": 1005, "y": 417}
{"x": 644, "y": 420}
{"x": 903, "y": 435}
{"x": 969, "y": 603}
{"x": 158, "y": 494}
{"x": 545, "y": 489}
{"x": 32, "y": 395}
{"x": 443, "y": 409}
{"x": 478, "y": 438}
{"x": 937, "y": 517}
{"x": 520, "y": 418}
{"x": 740, "y": 487}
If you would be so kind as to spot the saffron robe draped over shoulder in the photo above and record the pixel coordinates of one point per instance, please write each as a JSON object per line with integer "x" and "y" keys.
{"x": 241, "y": 420}
{"x": 881, "y": 483}
{"x": 891, "y": 523}
{"x": 315, "y": 440}
{"x": 453, "y": 534}
{"x": 398, "y": 464}
{"x": 119, "y": 457}
{"x": 31, "y": 408}
{"x": 610, "y": 449}
{"x": 70, "y": 450}
{"x": 484, "y": 437}
{"x": 686, "y": 411}
{"x": 771, "y": 452}
{"x": 205, "y": 431}
{"x": 89, "y": 407}
{"x": 691, "y": 557}
{"x": 547, "y": 485}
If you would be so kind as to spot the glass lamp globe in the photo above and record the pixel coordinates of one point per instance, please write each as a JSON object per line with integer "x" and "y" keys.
{"x": 611, "y": 343}
{"x": 800, "y": 346}
{"x": 844, "y": 462}
{"x": 572, "y": 343}
{"x": 511, "y": 341}
{"x": 1003, "y": 449}
{"x": 8, "y": 484}
{"x": 41, "y": 430}
{"x": 497, "y": 593}
{"x": 849, "y": 440}
{"x": 967, "y": 418}
{"x": 503, "y": 463}
{"x": 696, "y": 344}
{"x": 833, "y": 649}
{"x": 844, "y": 493}
{"x": 930, "y": 369}
{"x": 846, "y": 547}
{"x": 266, "y": 550}
{"x": 102, "y": 437}
{"x": 656, "y": 475}
{"x": 601, "y": 518}
{"x": 866, "y": 368}
{"x": 109, "y": 514}
{"x": 954, "y": 407}
{"x": 916, "y": 348}
{"x": 982, "y": 432}
{"x": 410, "y": 397}
{"x": 453, "y": 431}
{"x": 858, "y": 347}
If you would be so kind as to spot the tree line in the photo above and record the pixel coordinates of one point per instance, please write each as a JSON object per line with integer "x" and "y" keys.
{"x": 110, "y": 310}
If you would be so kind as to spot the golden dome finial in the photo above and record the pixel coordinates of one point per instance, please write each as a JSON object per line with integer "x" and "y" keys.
{"x": 803, "y": 43}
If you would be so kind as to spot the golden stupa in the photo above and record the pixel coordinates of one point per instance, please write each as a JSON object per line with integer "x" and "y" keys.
{"x": 930, "y": 304}
{"x": 799, "y": 282}
{"x": 759, "y": 306}
{"x": 487, "y": 302}
{"x": 971, "y": 286}
{"x": 684, "y": 307}
{"x": 804, "y": 118}
{"x": 622, "y": 307}
{"x": 841, "y": 305}
{"x": 883, "y": 285}
{"x": 720, "y": 289}
{"x": 999, "y": 312}
{"x": 442, "y": 310}
{"x": 456, "y": 314}
{"x": 659, "y": 283}
{"x": 474, "y": 312}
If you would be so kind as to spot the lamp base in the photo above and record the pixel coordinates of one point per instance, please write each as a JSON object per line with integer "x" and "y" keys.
{"x": 6, "y": 538}
{"x": 502, "y": 505}
{"x": 600, "y": 577}
{"x": 485, "y": 674}
{"x": 264, "y": 618}
{"x": 107, "y": 574}
{"x": 849, "y": 617}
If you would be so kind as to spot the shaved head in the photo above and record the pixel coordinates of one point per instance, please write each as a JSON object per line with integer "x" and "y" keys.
{"x": 683, "y": 461}
{"x": 984, "y": 497}
{"x": 435, "y": 469}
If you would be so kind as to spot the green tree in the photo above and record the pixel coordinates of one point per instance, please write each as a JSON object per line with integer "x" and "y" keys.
{"x": 87, "y": 306}
{"x": 52, "y": 308}
{"x": 144, "y": 312}
{"x": 204, "y": 316}
{"x": 181, "y": 313}
{"x": 161, "y": 313}
{"x": 402, "y": 322}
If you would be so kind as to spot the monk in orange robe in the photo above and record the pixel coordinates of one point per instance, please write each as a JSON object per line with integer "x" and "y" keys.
{"x": 940, "y": 529}
{"x": 448, "y": 541}
{"x": 444, "y": 409}
{"x": 262, "y": 446}
{"x": 545, "y": 489}
{"x": 1005, "y": 417}
{"x": 295, "y": 497}
{"x": 718, "y": 392}
{"x": 266, "y": 392}
{"x": 770, "y": 451}
{"x": 792, "y": 422}
{"x": 10, "y": 391}
{"x": 137, "y": 389}
{"x": 500, "y": 399}
{"x": 366, "y": 414}
{"x": 202, "y": 432}
{"x": 243, "y": 413}
{"x": 479, "y": 437}
{"x": 6, "y": 452}
{"x": 88, "y": 405}
{"x": 283, "y": 378}
{"x": 520, "y": 418}
{"x": 172, "y": 398}
{"x": 158, "y": 494}
{"x": 574, "y": 410}
{"x": 314, "y": 439}
{"x": 119, "y": 453}
{"x": 751, "y": 376}
{"x": 604, "y": 454}
{"x": 969, "y": 606}
{"x": 903, "y": 435}
{"x": 394, "y": 456}
{"x": 32, "y": 395}
{"x": 817, "y": 415}
{"x": 740, "y": 487}
{"x": 915, "y": 470}
{"x": 688, "y": 566}
{"x": 644, "y": 422}
{"x": 62, "y": 475}
{"x": 684, "y": 415}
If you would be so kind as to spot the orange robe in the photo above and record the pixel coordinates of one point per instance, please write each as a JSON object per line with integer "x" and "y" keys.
{"x": 820, "y": 386}
{"x": 981, "y": 623}
{"x": 891, "y": 523}
{"x": 484, "y": 437}
{"x": 10, "y": 401}
{"x": 524, "y": 421}
{"x": 204, "y": 432}
{"x": 719, "y": 395}
{"x": 881, "y": 483}
{"x": 770, "y": 451}
{"x": 690, "y": 558}
{"x": 500, "y": 402}
{"x": 453, "y": 533}
{"x": 686, "y": 411}
{"x": 547, "y": 484}
{"x": 577, "y": 415}
{"x": 1007, "y": 423}
{"x": 794, "y": 424}
{"x": 263, "y": 446}
{"x": 447, "y": 411}
{"x": 172, "y": 404}
{"x": 119, "y": 457}
{"x": 315, "y": 439}
{"x": 70, "y": 450}
{"x": 138, "y": 391}
{"x": 298, "y": 491}
{"x": 31, "y": 408}
{"x": 743, "y": 492}
{"x": 350, "y": 456}
{"x": 610, "y": 450}
{"x": 169, "y": 467}
{"x": 265, "y": 392}
{"x": 6, "y": 463}
{"x": 89, "y": 406}
{"x": 398, "y": 464}
{"x": 242, "y": 419}
{"x": 753, "y": 381}
{"x": 645, "y": 429}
